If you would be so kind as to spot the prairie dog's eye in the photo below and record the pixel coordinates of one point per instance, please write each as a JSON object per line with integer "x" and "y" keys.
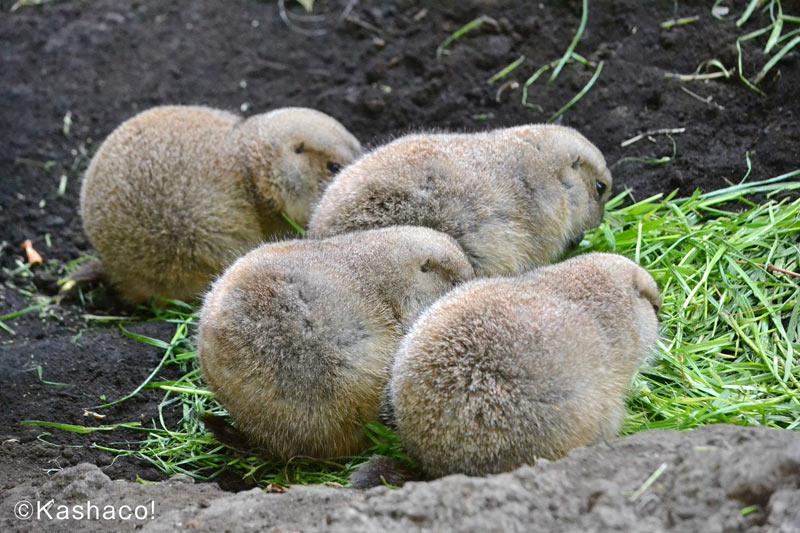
{"x": 334, "y": 168}
{"x": 600, "y": 187}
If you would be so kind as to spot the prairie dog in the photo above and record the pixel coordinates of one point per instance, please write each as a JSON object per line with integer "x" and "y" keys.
{"x": 503, "y": 371}
{"x": 513, "y": 198}
{"x": 175, "y": 193}
{"x": 296, "y": 338}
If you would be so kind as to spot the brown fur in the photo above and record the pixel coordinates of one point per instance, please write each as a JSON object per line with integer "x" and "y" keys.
{"x": 296, "y": 338}
{"x": 503, "y": 371}
{"x": 513, "y": 198}
{"x": 176, "y": 193}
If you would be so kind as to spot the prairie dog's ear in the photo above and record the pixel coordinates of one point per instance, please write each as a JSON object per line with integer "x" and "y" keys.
{"x": 442, "y": 269}
{"x": 647, "y": 288}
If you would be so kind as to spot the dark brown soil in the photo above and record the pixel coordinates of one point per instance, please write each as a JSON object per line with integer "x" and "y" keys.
{"x": 102, "y": 61}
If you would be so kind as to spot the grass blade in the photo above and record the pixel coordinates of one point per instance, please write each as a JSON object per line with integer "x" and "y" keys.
{"x": 775, "y": 59}
{"x": 575, "y": 99}
{"x": 578, "y": 35}
{"x": 508, "y": 69}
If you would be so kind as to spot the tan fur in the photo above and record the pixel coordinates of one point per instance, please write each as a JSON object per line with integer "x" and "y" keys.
{"x": 175, "y": 193}
{"x": 296, "y": 338}
{"x": 513, "y": 198}
{"x": 503, "y": 371}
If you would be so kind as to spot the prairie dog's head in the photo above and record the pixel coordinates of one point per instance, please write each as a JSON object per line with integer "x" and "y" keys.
{"x": 413, "y": 266}
{"x": 563, "y": 154}
{"x": 635, "y": 279}
{"x": 293, "y": 153}
{"x": 621, "y": 294}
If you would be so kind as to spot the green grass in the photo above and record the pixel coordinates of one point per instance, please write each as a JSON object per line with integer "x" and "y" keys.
{"x": 580, "y": 94}
{"x": 730, "y": 336}
{"x": 554, "y": 67}
{"x": 777, "y": 32}
{"x": 505, "y": 71}
{"x": 462, "y": 31}
{"x": 781, "y": 36}
{"x": 730, "y": 318}
{"x": 567, "y": 57}
{"x": 20, "y": 279}
{"x": 683, "y": 21}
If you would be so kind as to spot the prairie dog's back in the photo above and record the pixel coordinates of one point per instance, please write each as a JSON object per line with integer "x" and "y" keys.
{"x": 513, "y": 198}
{"x": 152, "y": 152}
{"x": 415, "y": 170}
{"x": 283, "y": 350}
{"x": 301, "y": 298}
{"x": 448, "y": 182}
{"x": 163, "y": 197}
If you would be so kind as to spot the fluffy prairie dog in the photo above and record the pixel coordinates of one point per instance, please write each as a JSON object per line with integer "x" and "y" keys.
{"x": 296, "y": 338}
{"x": 503, "y": 371}
{"x": 175, "y": 193}
{"x": 513, "y": 198}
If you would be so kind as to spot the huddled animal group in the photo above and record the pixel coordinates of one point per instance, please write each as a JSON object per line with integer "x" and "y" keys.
{"x": 425, "y": 292}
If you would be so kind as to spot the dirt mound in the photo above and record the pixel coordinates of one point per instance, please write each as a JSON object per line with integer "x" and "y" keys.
{"x": 718, "y": 478}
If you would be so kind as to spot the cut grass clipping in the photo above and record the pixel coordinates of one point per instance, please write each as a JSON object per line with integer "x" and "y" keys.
{"x": 788, "y": 40}
{"x": 730, "y": 331}
{"x": 781, "y": 35}
{"x": 555, "y": 66}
